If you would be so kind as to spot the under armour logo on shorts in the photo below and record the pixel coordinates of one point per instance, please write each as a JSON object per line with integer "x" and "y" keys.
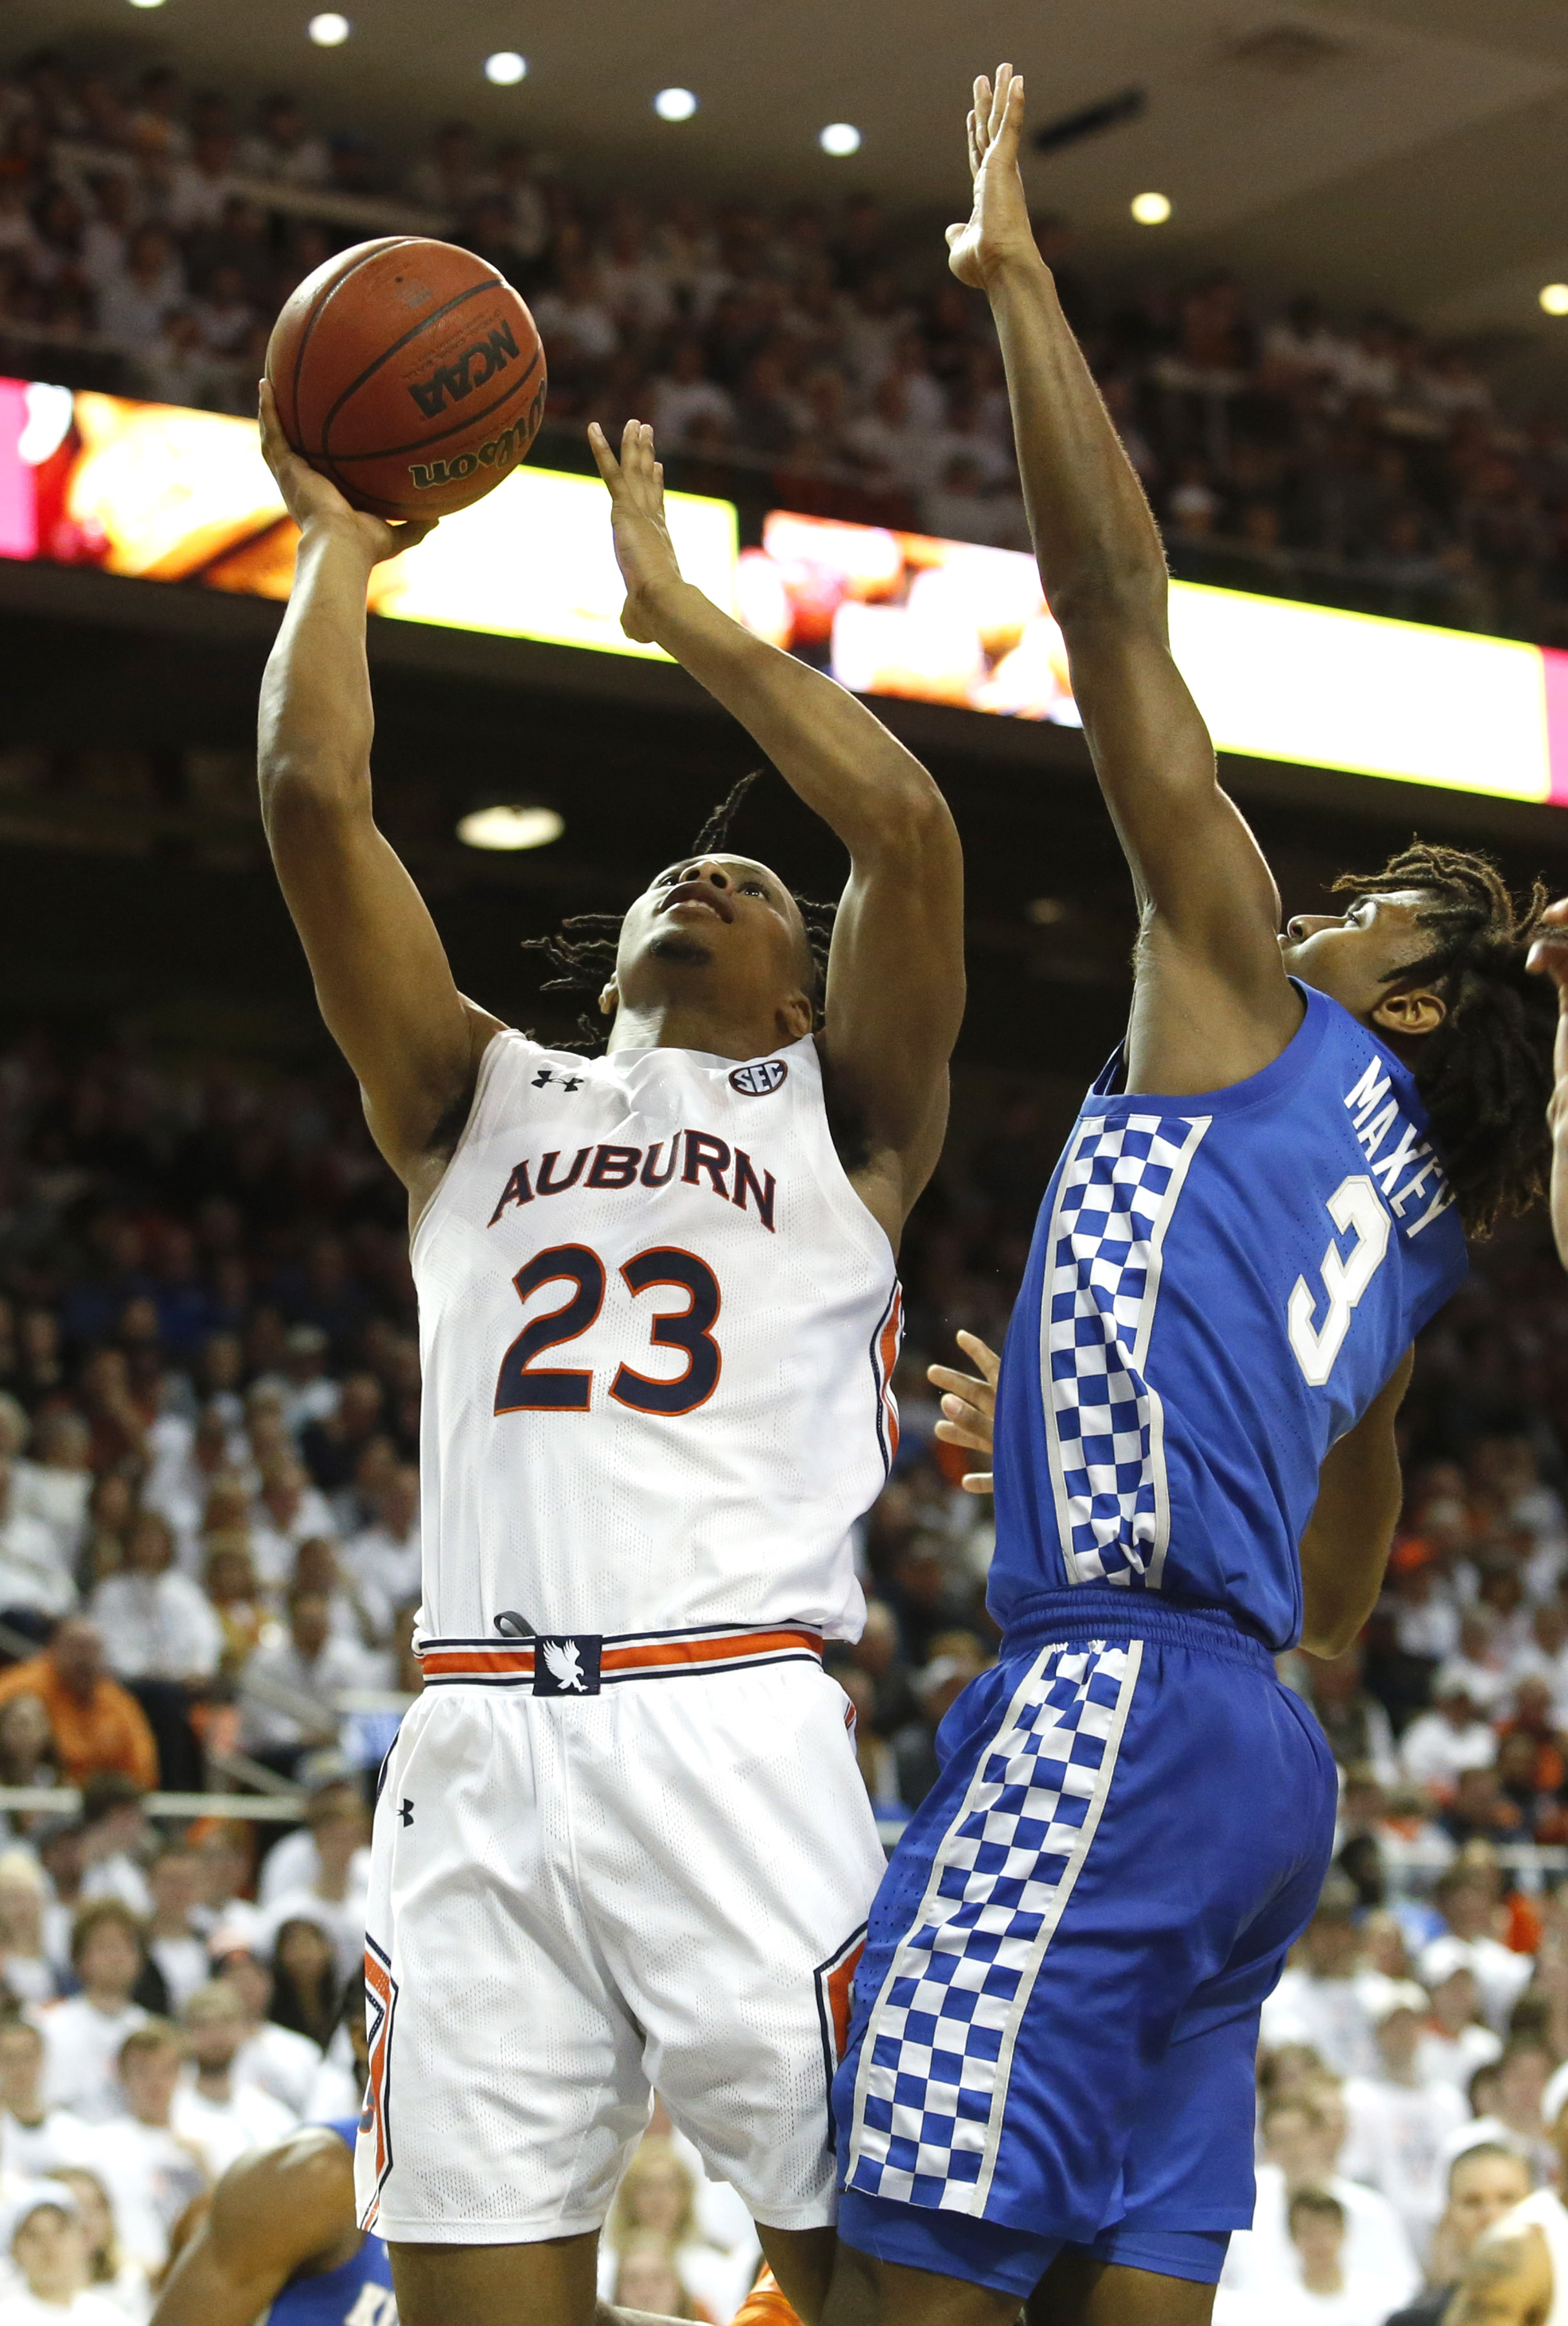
{"x": 568, "y": 1667}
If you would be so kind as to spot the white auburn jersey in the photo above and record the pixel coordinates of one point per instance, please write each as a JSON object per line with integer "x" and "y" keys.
{"x": 658, "y": 1326}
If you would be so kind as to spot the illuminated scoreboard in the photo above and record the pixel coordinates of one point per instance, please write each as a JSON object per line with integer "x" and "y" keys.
{"x": 172, "y": 495}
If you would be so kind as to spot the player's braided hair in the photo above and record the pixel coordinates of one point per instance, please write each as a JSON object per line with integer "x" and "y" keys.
{"x": 1485, "y": 1073}
{"x": 582, "y": 951}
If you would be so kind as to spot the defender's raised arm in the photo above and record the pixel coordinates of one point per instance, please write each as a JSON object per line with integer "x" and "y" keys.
{"x": 1213, "y": 1004}
{"x": 895, "y": 975}
{"x": 381, "y": 973}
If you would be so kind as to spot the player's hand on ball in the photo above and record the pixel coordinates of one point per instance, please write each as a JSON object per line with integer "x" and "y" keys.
{"x": 643, "y": 550}
{"x": 998, "y": 225}
{"x": 969, "y": 1405}
{"x": 312, "y": 499}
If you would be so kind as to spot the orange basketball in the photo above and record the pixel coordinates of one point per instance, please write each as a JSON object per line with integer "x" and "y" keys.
{"x": 410, "y": 372}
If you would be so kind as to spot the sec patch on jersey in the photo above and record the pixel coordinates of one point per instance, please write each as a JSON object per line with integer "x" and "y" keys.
{"x": 760, "y": 1079}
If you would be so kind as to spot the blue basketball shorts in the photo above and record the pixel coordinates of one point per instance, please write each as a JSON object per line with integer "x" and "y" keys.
{"x": 1056, "y": 2013}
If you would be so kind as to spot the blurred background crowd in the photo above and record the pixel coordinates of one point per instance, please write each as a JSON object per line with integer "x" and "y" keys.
{"x": 816, "y": 360}
{"x": 209, "y": 1568}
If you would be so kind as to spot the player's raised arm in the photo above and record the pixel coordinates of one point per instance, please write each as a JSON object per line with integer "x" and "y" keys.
{"x": 895, "y": 974}
{"x": 1213, "y": 1002}
{"x": 381, "y": 973}
{"x": 1549, "y": 958}
{"x": 272, "y": 2216}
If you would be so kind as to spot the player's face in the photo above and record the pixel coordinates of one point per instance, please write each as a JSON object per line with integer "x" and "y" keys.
{"x": 717, "y": 921}
{"x": 1354, "y": 957}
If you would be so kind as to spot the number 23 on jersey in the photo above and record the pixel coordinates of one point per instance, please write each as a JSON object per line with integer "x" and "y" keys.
{"x": 524, "y": 1386}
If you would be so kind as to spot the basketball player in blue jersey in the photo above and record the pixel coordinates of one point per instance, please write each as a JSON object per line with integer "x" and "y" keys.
{"x": 1048, "y": 2083}
{"x": 281, "y": 2230}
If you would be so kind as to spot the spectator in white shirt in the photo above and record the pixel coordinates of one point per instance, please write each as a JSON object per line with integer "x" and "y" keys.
{"x": 1467, "y": 1895}
{"x": 115, "y": 1838}
{"x": 27, "y": 1968}
{"x": 335, "y": 1893}
{"x": 202, "y": 186}
{"x": 151, "y": 2172}
{"x": 333, "y": 1835}
{"x": 686, "y": 392}
{"x": 133, "y": 303}
{"x": 1510, "y": 2099}
{"x": 34, "y": 2140}
{"x": 157, "y": 1625}
{"x": 279, "y": 2061}
{"x": 27, "y": 1755}
{"x": 1455, "y": 2043}
{"x": 54, "y": 1485}
{"x": 177, "y": 1948}
{"x": 384, "y": 1558}
{"x": 282, "y": 147}
{"x": 1452, "y": 1737}
{"x": 221, "y": 2114}
{"x": 289, "y": 1693}
{"x": 575, "y": 317}
{"x": 1329, "y": 2292}
{"x": 49, "y": 2246}
{"x": 289, "y": 1511}
{"x": 82, "y": 2037}
{"x": 1399, "y": 2120}
{"x": 309, "y": 1395}
{"x": 1301, "y": 2144}
{"x": 1425, "y": 1619}
{"x": 1326, "y": 1998}
{"x": 35, "y": 1577}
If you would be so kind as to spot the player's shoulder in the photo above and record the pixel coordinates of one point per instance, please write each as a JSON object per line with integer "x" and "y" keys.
{"x": 299, "y": 2192}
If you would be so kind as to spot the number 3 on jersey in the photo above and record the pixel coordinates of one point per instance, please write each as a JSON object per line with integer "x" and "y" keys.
{"x": 523, "y": 1387}
{"x": 1353, "y": 1206}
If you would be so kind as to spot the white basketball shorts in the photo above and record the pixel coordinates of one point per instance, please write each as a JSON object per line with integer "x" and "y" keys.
{"x": 598, "y": 1881}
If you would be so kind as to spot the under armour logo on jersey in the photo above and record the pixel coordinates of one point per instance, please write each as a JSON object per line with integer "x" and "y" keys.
{"x": 759, "y": 1081}
{"x": 406, "y": 1812}
{"x": 567, "y": 1082}
{"x": 568, "y": 1667}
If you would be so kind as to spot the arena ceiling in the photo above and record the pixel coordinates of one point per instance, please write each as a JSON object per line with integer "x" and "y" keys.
{"x": 1410, "y": 152}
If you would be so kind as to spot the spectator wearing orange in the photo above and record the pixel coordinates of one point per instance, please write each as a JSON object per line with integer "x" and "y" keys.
{"x": 97, "y": 1725}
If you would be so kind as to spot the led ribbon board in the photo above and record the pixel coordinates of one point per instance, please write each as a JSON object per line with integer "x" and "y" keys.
{"x": 169, "y": 495}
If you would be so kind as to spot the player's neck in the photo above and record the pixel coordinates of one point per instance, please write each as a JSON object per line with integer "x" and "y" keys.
{"x": 688, "y": 1025}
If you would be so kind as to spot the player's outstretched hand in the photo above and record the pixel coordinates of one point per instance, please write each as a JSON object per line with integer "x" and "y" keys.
{"x": 311, "y": 499}
{"x": 969, "y": 1404}
{"x": 643, "y": 550}
{"x": 998, "y": 225}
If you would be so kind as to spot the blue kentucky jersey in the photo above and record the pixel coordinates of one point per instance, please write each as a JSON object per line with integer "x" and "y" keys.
{"x": 1217, "y": 1288}
{"x": 357, "y": 2293}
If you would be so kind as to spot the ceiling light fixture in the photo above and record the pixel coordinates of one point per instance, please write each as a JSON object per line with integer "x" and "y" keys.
{"x": 511, "y": 827}
{"x": 1150, "y": 209}
{"x": 676, "y": 104}
{"x": 1554, "y": 298}
{"x": 506, "y": 69}
{"x": 146, "y": 4}
{"x": 840, "y": 138}
{"x": 329, "y": 31}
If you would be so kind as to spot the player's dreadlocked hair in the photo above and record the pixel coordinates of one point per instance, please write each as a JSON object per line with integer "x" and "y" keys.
{"x": 1485, "y": 1073}
{"x": 582, "y": 951}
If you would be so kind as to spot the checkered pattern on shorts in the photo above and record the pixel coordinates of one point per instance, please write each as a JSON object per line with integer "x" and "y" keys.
{"x": 933, "y": 2087}
{"x": 1117, "y": 1189}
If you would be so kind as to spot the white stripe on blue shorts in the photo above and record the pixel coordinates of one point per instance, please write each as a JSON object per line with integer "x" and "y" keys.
{"x": 932, "y": 2089}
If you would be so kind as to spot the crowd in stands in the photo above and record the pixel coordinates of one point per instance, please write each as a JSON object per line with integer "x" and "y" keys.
{"x": 799, "y": 358}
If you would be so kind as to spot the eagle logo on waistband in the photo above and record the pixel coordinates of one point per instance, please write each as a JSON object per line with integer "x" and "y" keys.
{"x": 560, "y": 1661}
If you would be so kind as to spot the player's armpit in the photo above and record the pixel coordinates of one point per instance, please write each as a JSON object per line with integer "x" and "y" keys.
{"x": 273, "y": 2216}
{"x": 1506, "y": 2281}
{"x": 1344, "y": 1549}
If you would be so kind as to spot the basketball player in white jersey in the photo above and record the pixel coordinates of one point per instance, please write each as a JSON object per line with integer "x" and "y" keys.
{"x": 622, "y": 1841}
{"x": 1518, "y": 2271}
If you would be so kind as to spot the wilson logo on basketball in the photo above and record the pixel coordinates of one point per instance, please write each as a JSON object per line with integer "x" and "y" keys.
{"x": 511, "y": 444}
{"x": 759, "y": 1081}
{"x": 472, "y": 369}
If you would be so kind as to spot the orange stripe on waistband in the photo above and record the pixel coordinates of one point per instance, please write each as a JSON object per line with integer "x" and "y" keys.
{"x": 655, "y": 1655}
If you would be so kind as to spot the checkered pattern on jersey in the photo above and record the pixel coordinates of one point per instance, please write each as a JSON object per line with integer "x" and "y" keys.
{"x": 932, "y": 2085}
{"x": 1119, "y": 1184}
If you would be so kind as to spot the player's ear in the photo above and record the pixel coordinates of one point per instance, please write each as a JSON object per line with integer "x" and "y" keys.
{"x": 609, "y": 1000}
{"x": 1411, "y": 1011}
{"x": 798, "y": 1015}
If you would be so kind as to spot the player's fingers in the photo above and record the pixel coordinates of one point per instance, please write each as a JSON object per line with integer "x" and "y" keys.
{"x": 1011, "y": 127}
{"x": 982, "y": 1354}
{"x": 977, "y": 1482}
{"x": 982, "y": 112}
{"x": 1548, "y": 957}
{"x": 972, "y": 137}
{"x": 998, "y": 112}
{"x": 604, "y": 460}
{"x": 412, "y": 532}
{"x": 955, "y": 1433}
